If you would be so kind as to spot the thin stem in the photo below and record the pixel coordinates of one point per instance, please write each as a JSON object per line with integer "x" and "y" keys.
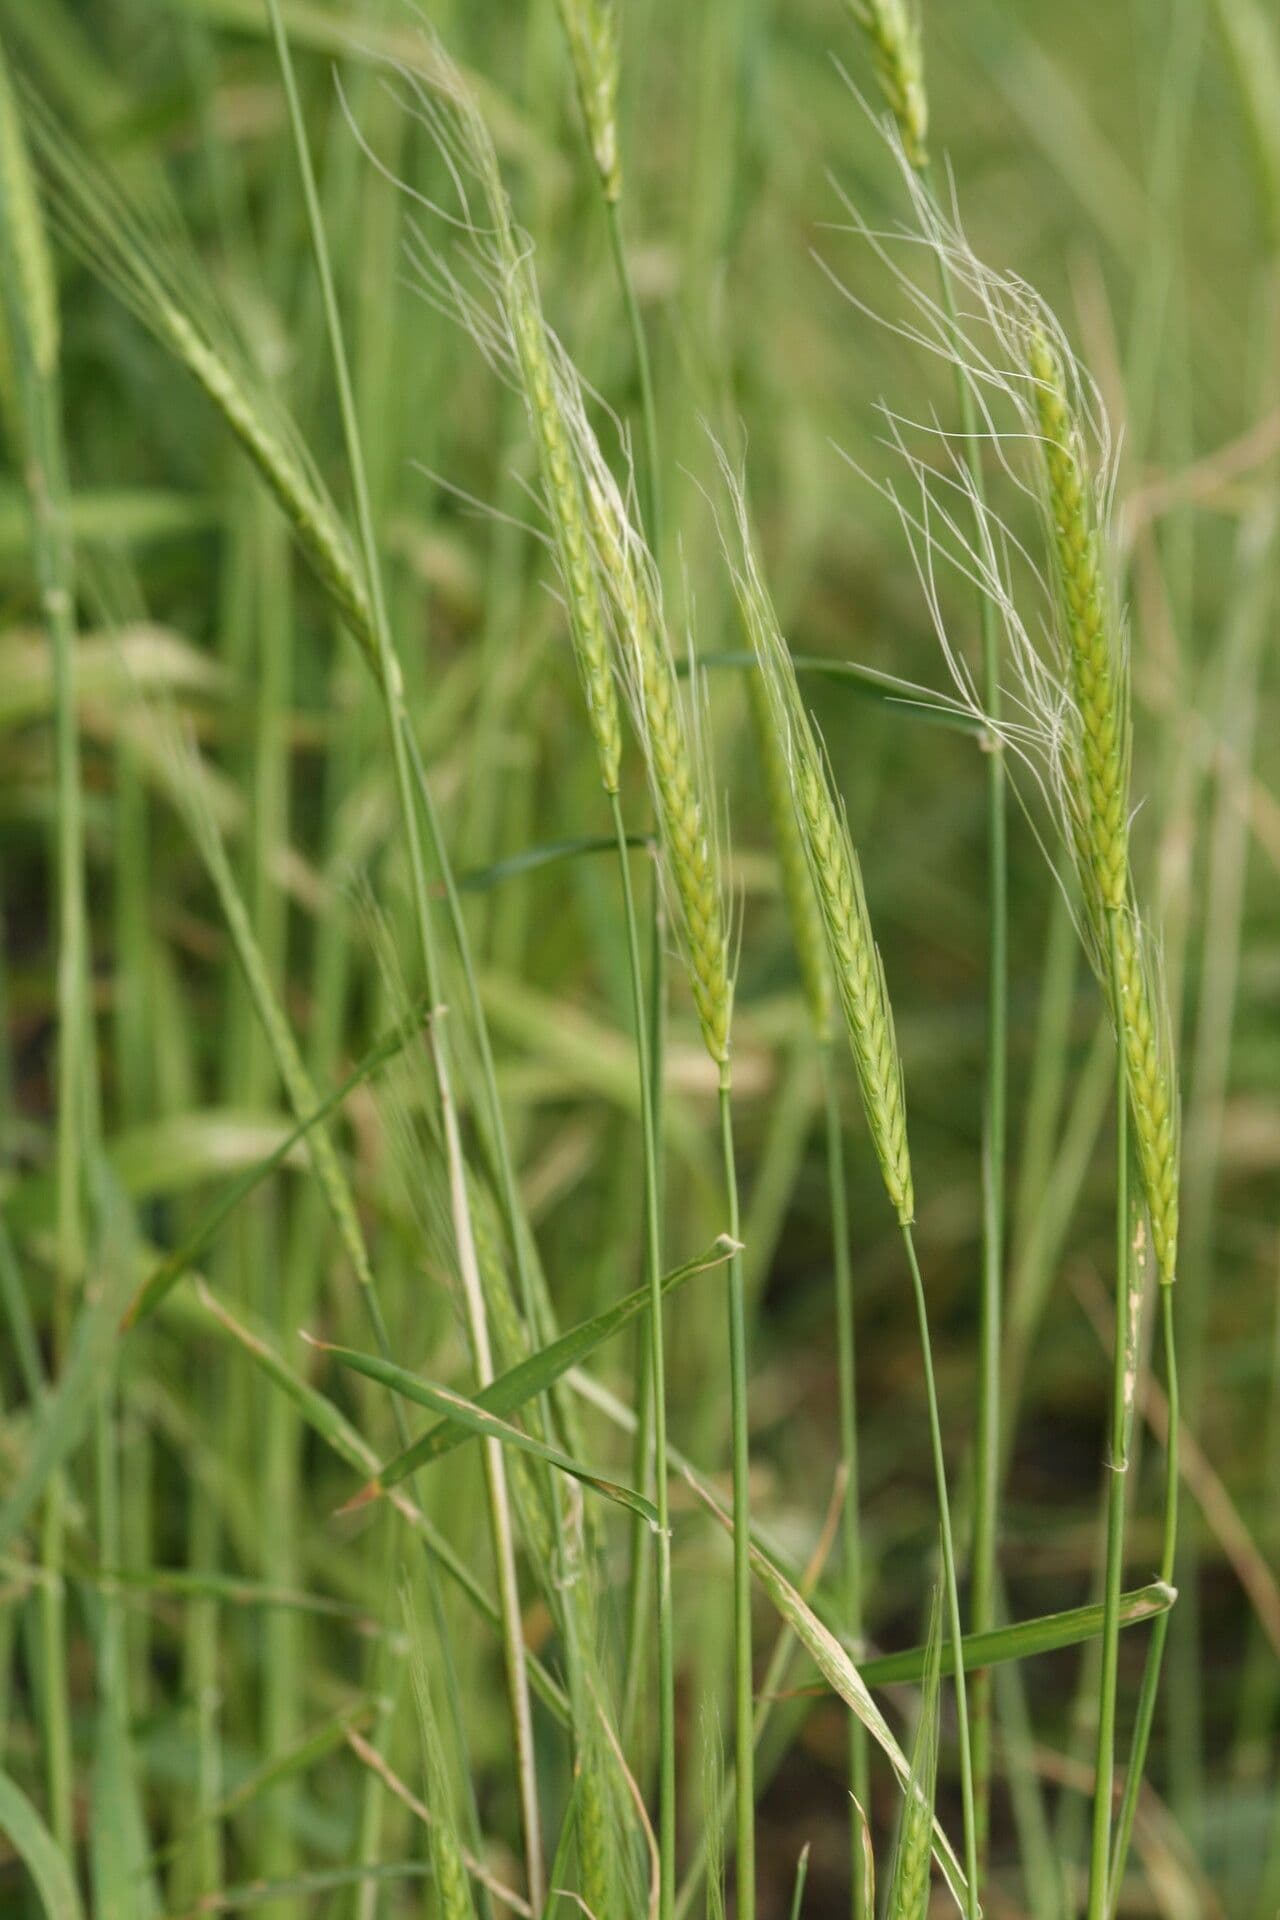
{"x": 393, "y": 695}
{"x": 641, "y": 1534}
{"x": 955, "y": 1626}
{"x": 986, "y": 1477}
{"x": 658, "y": 1396}
{"x": 1117, "y": 1467}
{"x": 850, "y": 1542}
{"x": 651, "y": 495}
{"x": 1160, "y": 1627}
{"x": 45, "y": 478}
{"x": 744, "y": 1743}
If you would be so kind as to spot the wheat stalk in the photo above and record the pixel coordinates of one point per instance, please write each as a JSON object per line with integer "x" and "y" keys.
{"x": 28, "y": 251}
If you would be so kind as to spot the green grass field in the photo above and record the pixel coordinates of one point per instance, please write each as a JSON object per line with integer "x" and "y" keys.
{"x": 639, "y": 832}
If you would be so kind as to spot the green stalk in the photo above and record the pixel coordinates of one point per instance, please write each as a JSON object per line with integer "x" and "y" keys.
{"x": 850, "y": 1543}
{"x": 638, "y": 1574}
{"x": 393, "y": 695}
{"x": 954, "y": 1625}
{"x": 657, "y": 1401}
{"x": 26, "y": 287}
{"x": 1160, "y": 1627}
{"x": 744, "y": 1742}
{"x": 1117, "y": 1466}
{"x": 651, "y": 495}
{"x": 986, "y": 1474}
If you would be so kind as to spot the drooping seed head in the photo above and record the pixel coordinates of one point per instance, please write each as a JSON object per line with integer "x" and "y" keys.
{"x": 320, "y": 533}
{"x": 495, "y": 297}
{"x": 145, "y": 262}
{"x": 893, "y": 30}
{"x": 31, "y": 290}
{"x": 591, "y": 29}
{"x": 1095, "y": 652}
{"x": 807, "y": 935}
{"x": 669, "y": 732}
{"x": 563, "y": 496}
{"x": 835, "y": 874}
{"x": 1143, "y": 1023}
{"x": 1066, "y": 710}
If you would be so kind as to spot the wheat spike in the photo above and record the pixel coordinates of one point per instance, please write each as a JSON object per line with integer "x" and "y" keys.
{"x": 591, "y": 29}
{"x": 894, "y": 33}
{"x": 1096, "y": 659}
{"x": 27, "y": 253}
{"x": 836, "y": 877}
{"x": 684, "y": 812}
{"x": 802, "y": 905}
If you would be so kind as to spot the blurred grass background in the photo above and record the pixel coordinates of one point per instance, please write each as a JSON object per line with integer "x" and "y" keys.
{"x": 1124, "y": 158}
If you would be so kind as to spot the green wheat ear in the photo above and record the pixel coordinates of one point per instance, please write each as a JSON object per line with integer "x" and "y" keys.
{"x": 150, "y": 273}
{"x": 28, "y": 253}
{"x": 803, "y": 911}
{"x": 591, "y": 29}
{"x": 1073, "y": 727}
{"x": 668, "y": 729}
{"x": 893, "y": 30}
{"x": 1095, "y": 776}
{"x": 1093, "y": 647}
{"x": 835, "y": 873}
{"x": 676, "y": 776}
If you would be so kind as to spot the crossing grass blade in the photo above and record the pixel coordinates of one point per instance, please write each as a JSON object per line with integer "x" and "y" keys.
{"x": 36, "y": 1848}
{"x": 521, "y": 1384}
{"x": 480, "y": 1424}
{"x": 840, "y": 1673}
{"x": 1023, "y": 1641}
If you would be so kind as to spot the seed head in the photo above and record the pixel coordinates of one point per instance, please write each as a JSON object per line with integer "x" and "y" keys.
{"x": 591, "y": 29}
{"x": 894, "y": 33}
{"x": 835, "y": 874}
{"x": 32, "y": 292}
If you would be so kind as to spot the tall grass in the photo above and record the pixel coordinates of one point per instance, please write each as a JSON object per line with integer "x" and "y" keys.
{"x": 334, "y": 1006}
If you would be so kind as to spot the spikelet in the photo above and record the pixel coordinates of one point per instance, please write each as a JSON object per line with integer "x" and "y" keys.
{"x": 1095, "y": 780}
{"x": 894, "y": 32}
{"x": 591, "y": 29}
{"x": 1143, "y": 1023}
{"x": 669, "y": 736}
{"x": 509, "y": 326}
{"x": 1095, "y": 654}
{"x": 835, "y": 873}
{"x": 1067, "y": 714}
{"x": 807, "y": 935}
{"x": 153, "y": 273}
{"x": 32, "y": 292}
{"x": 317, "y": 528}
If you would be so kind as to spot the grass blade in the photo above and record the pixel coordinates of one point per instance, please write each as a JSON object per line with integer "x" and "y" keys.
{"x": 483, "y": 1425}
{"x": 35, "y": 1847}
{"x": 1045, "y": 1634}
{"x": 174, "y": 1265}
{"x": 520, "y": 1384}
